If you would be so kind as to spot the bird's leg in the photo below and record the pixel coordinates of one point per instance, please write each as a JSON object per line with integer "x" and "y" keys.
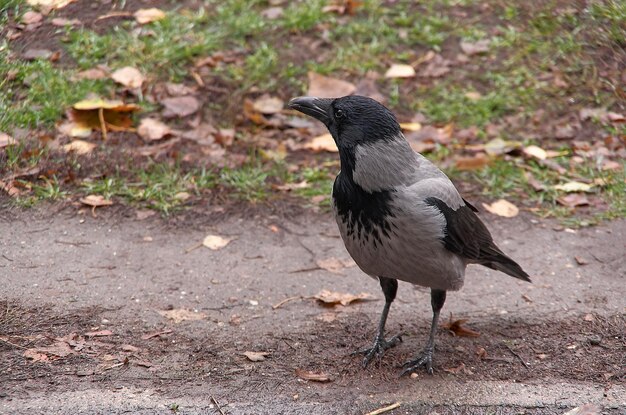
{"x": 390, "y": 288}
{"x": 425, "y": 358}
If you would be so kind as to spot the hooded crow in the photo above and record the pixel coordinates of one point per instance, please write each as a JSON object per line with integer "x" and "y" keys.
{"x": 399, "y": 216}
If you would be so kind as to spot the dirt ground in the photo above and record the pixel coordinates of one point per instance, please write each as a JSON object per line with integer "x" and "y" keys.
{"x": 81, "y": 329}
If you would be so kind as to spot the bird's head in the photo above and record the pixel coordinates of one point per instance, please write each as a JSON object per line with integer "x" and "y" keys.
{"x": 351, "y": 120}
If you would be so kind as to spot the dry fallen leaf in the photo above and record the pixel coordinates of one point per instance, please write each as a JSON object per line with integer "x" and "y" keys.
{"x": 6, "y": 140}
{"x": 31, "y": 17}
{"x": 144, "y": 16}
{"x": 35, "y": 356}
{"x": 335, "y": 265}
{"x": 268, "y": 105}
{"x": 93, "y": 73}
{"x": 586, "y": 409}
{"x": 399, "y": 70}
{"x": 459, "y": 369}
{"x": 256, "y": 356}
{"x": 475, "y": 48}
{"x": 580, "y": 260}
{"x": 473, "y": 95}
{"x": 573, "y": 200}
{"x": 95, "y": 201}
{"x": 324, "y": 142}
{"x": 536, "y": 152}
{"x": 180, "y": 106}
{"x": 478, "y": 161}
{"x": 325, "y": 87}
{"x": 410, "y": 126}
{"x": 457, "y": 328}
{"x": 215, "y": 242}
{"x": 498, "y": 146}
{"x": 180, "y": 314}
{"x": 308, "y": 375}
{"x": 574, "y": 186}
{"x": 62, "y": 21}
{"x": 151, "y": 129}
{"x": 79, "y": 147}
{"x": 272, "y": 13}
{"x": 129, "y": 77}
{"x": 50, "y": 4}
{"x": 98, "y": 114}
{"x": 503, "y": 208}
{"x": 333, "y": 298}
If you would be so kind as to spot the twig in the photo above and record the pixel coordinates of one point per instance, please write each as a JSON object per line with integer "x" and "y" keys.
{"x": 59, "y": 241}
{"x": 219, "y": 408}
{"x": 7, "y": 258}
{"x": 385, "y": 409}
{"x": 103, "y": 124}
{"x": 285, "y": 301}
{"x": 514, "y": 353}
{"x": 295, "y": 271}
{"x": 191, "y": 248}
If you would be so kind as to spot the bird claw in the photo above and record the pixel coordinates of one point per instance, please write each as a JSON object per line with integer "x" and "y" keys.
{"x": 378, "y": 349}
{"x": 424, "y": 359}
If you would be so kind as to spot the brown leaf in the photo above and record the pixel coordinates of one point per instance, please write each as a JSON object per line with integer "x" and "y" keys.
{"x": 33, "y": 54}
{"x": 335, "y": 265}
{"x": 129, "y": 77}
{"x": 49, "y": 4}
{"x": 93, "y": 73}
{"x": 475, "y": 48}
{"x": 151, "y": 129}
{"x": 62, "y": 21}
{"x": 574, "y": 186}
{"x": 268, "y": 105}
{"x": 325, "y": 87}
{"x": 324, "y": 142}
{"x": 79, "y": 147}
{"x": 457, "y": 328}
{"x": 580, "y": 260}
{"x": 498, "y": 146}
{"x": 144, "y": 16}
{"x": 180, "y": 106}
{"x": 256, "y": 356}
{"x": 225, "y": 136}
{"x": 459, "y": 369}
{"x": 573, "y": 200}
{"x": 6, "y": 140}
{"x": 215, "y": 242}
{"x": 503, "y": 208}
{"x": 599, "y": 114}
{"x": 315, "y": 377}
{"x": 333, "y": 298}
{"x": 90, "y": 114}
{"x": 95, "y": 201}
{"x": 478, "y": 161}
{"x": 31, "y": 17}
{"x": 155, "y": 334}
{"x": 35, "y": 356}
{"x": 178, "y": 315}
{"x": 400, "y": 70}
{"x": 536, "y": 152}
{"x": 436, "y": 67}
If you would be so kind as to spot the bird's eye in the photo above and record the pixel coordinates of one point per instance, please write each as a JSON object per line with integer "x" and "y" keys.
{"x": 339, "y": 114}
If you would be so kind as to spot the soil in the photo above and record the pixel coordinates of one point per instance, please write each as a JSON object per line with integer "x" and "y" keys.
{"x": 87, "y": 294}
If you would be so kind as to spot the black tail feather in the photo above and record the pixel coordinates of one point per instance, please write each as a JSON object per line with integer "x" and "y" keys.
{"x": 503, "y": 263}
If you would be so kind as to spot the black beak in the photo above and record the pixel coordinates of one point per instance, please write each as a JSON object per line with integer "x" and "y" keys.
{"x": 315, "y": 107}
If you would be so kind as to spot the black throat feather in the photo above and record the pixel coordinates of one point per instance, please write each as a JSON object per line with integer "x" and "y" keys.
{"x": 365, "y": 214}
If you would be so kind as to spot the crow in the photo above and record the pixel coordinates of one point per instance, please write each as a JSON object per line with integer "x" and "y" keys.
{"x": 399, "y": 216}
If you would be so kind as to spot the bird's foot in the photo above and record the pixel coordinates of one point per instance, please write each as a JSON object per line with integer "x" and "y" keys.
{"x": 424, "y": 359}
{"x": 378, "y": 349}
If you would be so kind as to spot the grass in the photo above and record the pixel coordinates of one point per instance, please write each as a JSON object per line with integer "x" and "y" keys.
{"x": 529, "y": 42}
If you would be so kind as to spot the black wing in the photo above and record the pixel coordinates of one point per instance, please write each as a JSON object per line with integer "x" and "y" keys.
{"x": 467, "y": 236}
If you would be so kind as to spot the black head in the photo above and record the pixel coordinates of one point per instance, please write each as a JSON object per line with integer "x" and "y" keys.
{"x": 351, "y": 120}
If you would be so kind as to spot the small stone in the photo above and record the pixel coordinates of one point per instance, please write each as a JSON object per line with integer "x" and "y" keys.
{"x": 595, "y": 340}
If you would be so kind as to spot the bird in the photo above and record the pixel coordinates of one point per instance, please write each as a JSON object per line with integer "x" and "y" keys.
{"x": 399, "y": 216}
